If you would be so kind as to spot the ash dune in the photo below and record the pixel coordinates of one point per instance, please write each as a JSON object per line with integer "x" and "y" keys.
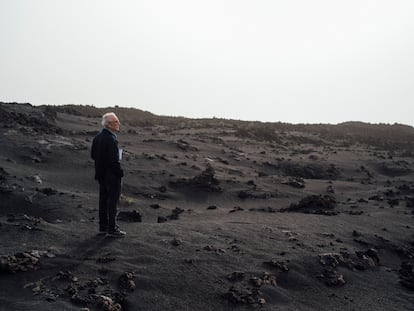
{"x": 220, "y": 214}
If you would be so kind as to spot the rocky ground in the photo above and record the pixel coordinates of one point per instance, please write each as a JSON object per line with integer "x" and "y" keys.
{"x": 220, "y": 214}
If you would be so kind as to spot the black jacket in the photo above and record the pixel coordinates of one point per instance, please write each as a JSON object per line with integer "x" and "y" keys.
{"x": 105, "y": 152}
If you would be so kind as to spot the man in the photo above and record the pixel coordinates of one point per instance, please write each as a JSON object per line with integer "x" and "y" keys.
{"x": 108, "y": 173}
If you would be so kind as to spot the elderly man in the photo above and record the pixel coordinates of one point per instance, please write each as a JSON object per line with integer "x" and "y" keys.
{"x": 108, "y": 173}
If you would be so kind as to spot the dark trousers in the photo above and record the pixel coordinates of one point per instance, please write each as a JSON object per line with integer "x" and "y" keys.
{"x": 109, "y": 193}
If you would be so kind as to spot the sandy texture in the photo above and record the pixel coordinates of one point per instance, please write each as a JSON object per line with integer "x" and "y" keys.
{"x": 219, "y": 214}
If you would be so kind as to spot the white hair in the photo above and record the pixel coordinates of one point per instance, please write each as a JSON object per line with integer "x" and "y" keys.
{"x": 107, "y": 117}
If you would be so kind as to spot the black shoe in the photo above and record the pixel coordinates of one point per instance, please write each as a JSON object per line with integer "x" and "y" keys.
{"x": 117, "y": 233}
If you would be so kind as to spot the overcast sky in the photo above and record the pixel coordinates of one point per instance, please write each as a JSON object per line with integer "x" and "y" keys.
{"x": 319, "y": 61}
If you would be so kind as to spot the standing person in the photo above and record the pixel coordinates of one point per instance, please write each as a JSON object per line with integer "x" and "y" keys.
{"x": 108, "y": 173}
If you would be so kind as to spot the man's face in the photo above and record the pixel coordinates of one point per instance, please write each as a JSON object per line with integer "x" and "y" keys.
{"x": 113, "y": 124}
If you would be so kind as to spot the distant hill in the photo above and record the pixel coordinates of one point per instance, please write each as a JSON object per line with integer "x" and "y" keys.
{"x": 386, "y": 136}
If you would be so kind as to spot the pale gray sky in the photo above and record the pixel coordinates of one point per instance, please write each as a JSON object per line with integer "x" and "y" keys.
{"x": 298, "y": 61}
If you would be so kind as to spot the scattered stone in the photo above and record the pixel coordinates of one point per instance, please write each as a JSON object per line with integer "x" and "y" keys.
{"x": 409, "y": 201}
{"x": 266, "y": 279}
{"x": 175, "y": 215}
{"x": 331, "y": 277}
{"x": 366, "y": 259}
{"x": 177, "y": 242}
{"x": 162, "y": 189}
{"x": 236, "y": 209}
{"x": 162, "y": 219}
{"x": 406, "y": 189}
{"x": 211, "y": 248}
{"x": 105, "y": 303}
{"x": 19, "y": 262}
{"x": 407, "y": 275}
{"x": 283, "y": 266}
{"x": 314, "y": 204}
{"x": 295, "y": 182}
{"x": 130, "y": 216}
{"x": 48, "y": 191}
{"x": 309, "y": 171}
{"x": 264, "y": 209}
{"x": 331, "y": 259}
{"x": 189, "y": 261}
{"x": 253, "y": 194}
{"x": 80, "y": 300}
{"x": 204, "y": 181}
{"x": 127, "y": 281}
{"x": 356, "y": 233}
{"x": 177, "y": 211}
{"x": 330, "y": 189}
{"x": 185, "y": 146}
{"x": 376, "y": 198}
{"x": 3, "y": 175}
{"x": 36, "y": 179}
{"x": 252, "y": 183}
{"x": 66, "y": 276}
{"x": 359, "y": 261}
{"x": 393, "y": 202}
{"x": 236, "y": 249}
{"x": 212, "y": 207}
{"x": 236, "y": 276}
{"x": 393, "y": 169}
{"x": 248, "y": 296}
{"x": 4, "y": 188}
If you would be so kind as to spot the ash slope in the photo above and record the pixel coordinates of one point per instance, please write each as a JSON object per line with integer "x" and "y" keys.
{"x": 220, "y": 214}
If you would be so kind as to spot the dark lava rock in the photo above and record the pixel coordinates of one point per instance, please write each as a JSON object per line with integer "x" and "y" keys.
{"x": 236, "y": 276}
{"x": 127, "y": 281}
{"x": 130, "y": 216}
{"x": 252, "y": 194}
{"x": 264, "y": 209}
{"x": 185, "y": 146}
{"x": 407, "y": 275}
{"x": 393, "y": 169}
{"x": 314, "y": 204}
{"x": 393, "y": 202}
{"x": 48, "y": 191}
{"x": 3, "y": 175}
{"x": 406, "y": 189}
{"x": 309, "y": 171}
{"x": 409, "y": 201}
{"x": 236, "y": 209}
{"x": 249, "y": 296}
{"x": 277, "y": 264}
{"x": 359, "y": 261}
{"x": 19, "y": 262}
{"x": 204, "y": 181}
{"x": 106, "y": 303}
{"x": 295, "y": 182}
{"x": 175, "y": 214}
{"x": 331, "y": 277}
{"x": 25, "y": 116}
{"x": 176, "y": 242}
{"x": 162, "y": 189}
{"x": 265, "y": 279}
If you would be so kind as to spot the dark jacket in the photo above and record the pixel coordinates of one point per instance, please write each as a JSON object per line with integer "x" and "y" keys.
{"x": 105, "y": 152}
